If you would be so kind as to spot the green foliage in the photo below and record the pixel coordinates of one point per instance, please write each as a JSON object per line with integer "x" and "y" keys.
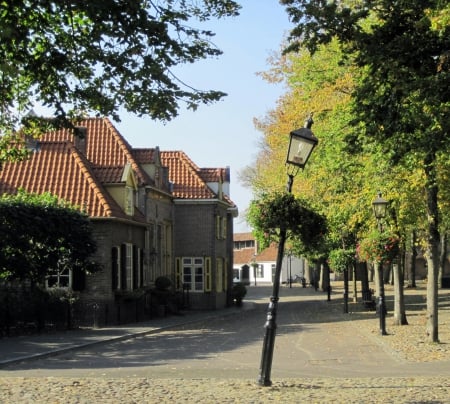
{"x": 40, "y": 235}
{"x": 401, "y": 104}
{"x": 378, "y": 247}
{"x": 283, "y": 211}
{"x": 340, "y": 259}
{"x": 404, "y": 56}
{"x": 162, "y": 283}
{"x": 78, "y": 57}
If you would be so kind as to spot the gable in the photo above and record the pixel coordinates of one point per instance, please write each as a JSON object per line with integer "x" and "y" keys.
{"x": 103, "y": 146}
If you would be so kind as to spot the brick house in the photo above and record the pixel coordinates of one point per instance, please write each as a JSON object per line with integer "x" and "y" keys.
{"x": 152, "y": 211}
{"x": 254, "y": 266}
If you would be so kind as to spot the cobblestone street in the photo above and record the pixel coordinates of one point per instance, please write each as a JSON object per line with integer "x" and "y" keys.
{"x": 321, "y": 355}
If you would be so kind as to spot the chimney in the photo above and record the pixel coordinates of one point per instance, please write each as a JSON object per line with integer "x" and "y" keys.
{"x": 80, "y": 139}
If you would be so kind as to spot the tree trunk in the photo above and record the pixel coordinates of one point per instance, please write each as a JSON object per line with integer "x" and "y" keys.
{"x": 442, "y": 257}
{"x": 346, "y": 290}
{"x": 316, "y": 275}
{"x": 355, "y": 288}
{"x": 399, "y": 302}
{"x": 412, "y": 264}
{"x": 433, "y": 239}
{"x": 364, "y": 277}
{"x": 324, "y": 276}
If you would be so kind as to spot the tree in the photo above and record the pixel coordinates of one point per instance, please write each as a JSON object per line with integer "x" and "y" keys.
{"x": 78, "y": 57}
{"x": 41, "y": 235}
{"x": 275, "y": 211}
{"x": 401, "y": 100}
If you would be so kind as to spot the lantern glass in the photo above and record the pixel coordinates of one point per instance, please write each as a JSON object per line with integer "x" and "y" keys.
{"x": 379, "y": 207}
{"x": 301, "y": 144}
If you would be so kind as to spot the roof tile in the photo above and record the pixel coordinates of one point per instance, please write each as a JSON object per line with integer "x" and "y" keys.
{"x": 185, "y": 176}
{"x": 60, "y": 169}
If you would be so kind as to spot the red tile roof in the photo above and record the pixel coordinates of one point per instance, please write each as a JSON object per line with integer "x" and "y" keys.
{"x": 144, "y": 156}
{"x": 61, "y": 169}
{"x": 77, "y": 174}
{"x": 185, "y": 176}
{"x": 214, "y": 174}
{"x": 105, "y": 146}
{"x": 247, "y": 255}
{"x": 243, "y": 236}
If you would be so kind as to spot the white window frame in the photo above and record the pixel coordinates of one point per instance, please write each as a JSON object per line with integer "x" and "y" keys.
{"x": 58, "y": 277}
{"x": 129, "y": 266}
{"x": 193, "y": 273}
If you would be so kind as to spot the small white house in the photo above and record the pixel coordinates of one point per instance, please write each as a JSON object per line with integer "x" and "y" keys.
{"x": 252, "y": 267}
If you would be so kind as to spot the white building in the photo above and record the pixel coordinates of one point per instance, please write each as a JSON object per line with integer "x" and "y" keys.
{"x": 253, "y": 267}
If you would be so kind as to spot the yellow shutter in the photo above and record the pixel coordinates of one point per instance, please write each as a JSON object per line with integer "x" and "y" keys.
{"x": 225, "y": 276}
{"x": 219, "y": 275}
{"x": 218, "y": 235}
{"x": 178, "y": 274}
{"x": 224, "y": 228}
{"x": 207, "y": 282}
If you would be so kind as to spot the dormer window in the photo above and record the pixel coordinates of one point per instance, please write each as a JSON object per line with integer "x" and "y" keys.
{"x": 129, "y": 201}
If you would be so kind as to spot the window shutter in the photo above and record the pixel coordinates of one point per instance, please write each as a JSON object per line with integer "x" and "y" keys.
{"x": 219, "y": 274}
{"x": 115, "y": 268}
{"x": 178, "y": 274}
{"x": 225, "y": 276}
{"x": 224, "y": 228}
{"x": 123, "y": 267}
{"x": 208, "y": 281}
{"x": 218, "y": 235}
{"x": 78, "y": 280}
{"x": 135, "y": 267}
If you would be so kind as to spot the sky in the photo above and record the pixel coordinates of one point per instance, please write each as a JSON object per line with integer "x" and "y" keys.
{"x": 223, "y": 134}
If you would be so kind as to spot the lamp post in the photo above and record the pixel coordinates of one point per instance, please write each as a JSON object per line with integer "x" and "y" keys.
{"x": 290, "y": 268}
{"x": 379, "y": 206}
{"x": 254, "y": 265}
{"x": 301, "y": 144}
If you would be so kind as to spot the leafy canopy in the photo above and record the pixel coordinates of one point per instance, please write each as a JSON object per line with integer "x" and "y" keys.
{"x": 79, "y": 56}
{"x": 278, "y": 210}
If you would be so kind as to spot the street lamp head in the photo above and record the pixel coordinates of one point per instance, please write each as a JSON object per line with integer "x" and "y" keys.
{"x": 301, "y": 144}
{"x": 379, "y": 207}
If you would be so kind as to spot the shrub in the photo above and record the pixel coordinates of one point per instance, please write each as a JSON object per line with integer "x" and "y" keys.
{"x": 163, "y": 283}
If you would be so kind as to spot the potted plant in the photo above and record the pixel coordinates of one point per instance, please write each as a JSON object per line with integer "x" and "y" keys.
{"x": 239, "y": 291}
{"x": 378, "y": 247}
{"x": 162, "y": 294}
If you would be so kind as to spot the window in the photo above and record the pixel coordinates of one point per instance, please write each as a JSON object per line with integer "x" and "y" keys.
{"x": 129, "y": 201}
{"x": 61, "y": 278}
{"x": 67, "y": 278}
{"x": 239, "y": 245}
{"x": 193, "y": 275}
{"x": 260, "y": 271}
{"x": 122, "y": 267}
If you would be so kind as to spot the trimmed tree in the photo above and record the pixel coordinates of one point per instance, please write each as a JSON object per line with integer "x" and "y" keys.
{"x": 40, "y": 235}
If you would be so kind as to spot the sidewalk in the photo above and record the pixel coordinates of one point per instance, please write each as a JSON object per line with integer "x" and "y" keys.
{"x": 18, "y": 349}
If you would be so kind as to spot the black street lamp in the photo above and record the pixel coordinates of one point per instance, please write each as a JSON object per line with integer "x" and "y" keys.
{"x": 301, "y": 144}
{"x": 379, "y": 206}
